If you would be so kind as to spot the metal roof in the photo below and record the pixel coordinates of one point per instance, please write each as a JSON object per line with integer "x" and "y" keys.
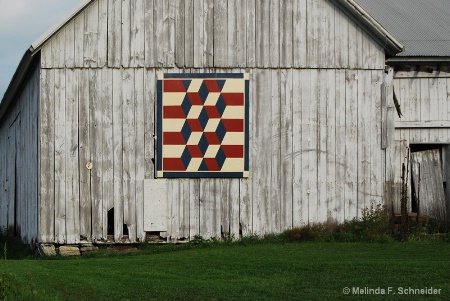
{"x": 423, "y": 26}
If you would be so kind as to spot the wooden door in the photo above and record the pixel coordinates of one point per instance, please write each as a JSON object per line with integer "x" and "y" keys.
{"x": 428, "y": 183}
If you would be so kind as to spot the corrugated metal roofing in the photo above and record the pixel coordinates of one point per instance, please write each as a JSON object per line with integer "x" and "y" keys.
{"x": 423, "y": 26}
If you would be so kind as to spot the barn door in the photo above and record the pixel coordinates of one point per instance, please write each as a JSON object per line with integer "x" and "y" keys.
{"x": 428, "y": 185}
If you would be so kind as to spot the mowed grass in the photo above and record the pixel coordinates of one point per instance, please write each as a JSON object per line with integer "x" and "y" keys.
{"x": 258, "y": 271}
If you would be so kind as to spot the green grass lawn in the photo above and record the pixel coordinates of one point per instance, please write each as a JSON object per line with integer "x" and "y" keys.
{"x": 260, "y": 271}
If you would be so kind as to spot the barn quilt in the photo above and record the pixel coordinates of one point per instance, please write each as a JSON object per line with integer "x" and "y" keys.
{"x": 202, "y": 125}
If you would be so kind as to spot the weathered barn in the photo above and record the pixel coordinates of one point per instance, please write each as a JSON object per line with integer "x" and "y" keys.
{"x": 79, "y": 122}
{"x": 422, "y": 86}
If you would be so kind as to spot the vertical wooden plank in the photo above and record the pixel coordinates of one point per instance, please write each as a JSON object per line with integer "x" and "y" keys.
{"x": 377, "y": 155}
{"x": 72, "y": 193}
{"x": 298, "y": 201}
{"x": 435, "y": 107}
{"x": 274, "y": 202}
{"x": 424, "y": 108}
{"x": 286, "y": 148}
{"x": 102, "y": 58}
{"x": 184, "y": 209}
{"x": 91, "y": 36}
{"x": 137, "y": 40}
{"x": 46, "y": 55}
{"x": 262, "y": 33}
{"x": 179, "y": 33}
{"x": 129, "y": 160}
{"x": 170, "y": 19}
{"x": 79, "y": 40}
{"x": 207, "y": 193}
{"x": 299, "y": 33}
{"x": 106, "y": 126}
{"x": 328, "y": 33}
{"x": 313, "y": 23}
{"x": 95, "y": 142}
{"x": 323, "y": 151}
{"x": 174, "y": 210}
{"x": 58, "y": 52}
{"x": 47, "y": 157}
{"x": 208, "y": 35}
{"x": 117, "y": 142}
{"x": 60, "y": 159}
{"x": 341, "y": 39}
{"x": 413, "y": 85}
{"x": 351, "y": 144}
{"x": 70, "y": 45}
{"x": 198, "y": 34}
{"x": 274, "y": 34}
{"x": 330, "y": 100}
{"x": 21, "y": 133}
{"x": 140, "y": 151}
{"x": 149, "y": 122}
{"x": 225, "y": 208}
{"x": 208, "y": 43}
{"x": 240, "y": 11}
{"x": 189, "y": 32}
{"x": 312, "y": 147}
{"x": 341, "y": 160}
{"x": 367, "y": 113}
{"x": 251, "y": 33}
{"x": 194, "y": 207}
{"x": 126, "y": 34}
{"x": 443, "y": 106}
{"x": 3, "y": 199}
{"x": 85, "y": 156}
{"x": 286, "y": 30}
{"x": 115, "y": 33}
{"x": 232, "y": 34}
{"x": 353, "y": 51}
{"x": 307, "y": 149}
{"x": 149, "y": 44}
{"x": 262, "y": 150}
{"x": 161, "y": 32}
{"x": 220, "y": 32}
{"x": 11, "y": 176}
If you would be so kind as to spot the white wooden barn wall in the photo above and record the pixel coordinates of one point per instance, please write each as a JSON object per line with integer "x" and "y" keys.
{"x": 19, "y": 163}
{"x": 315, "y": 116}
{"x": 424, "y": 100}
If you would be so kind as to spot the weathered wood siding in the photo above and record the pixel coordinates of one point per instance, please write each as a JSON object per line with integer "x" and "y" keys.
{"x": 19, "y": 193}
{"x": 212, "y": 33}
{"x": 424, "y": 101}
{"x": 315, "y": 117}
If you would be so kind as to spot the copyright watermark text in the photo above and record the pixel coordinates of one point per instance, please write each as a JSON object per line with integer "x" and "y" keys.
{"x": 401, "y": 290}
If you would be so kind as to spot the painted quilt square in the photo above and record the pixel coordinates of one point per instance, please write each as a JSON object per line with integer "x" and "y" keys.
{"x": 202, "y": 125}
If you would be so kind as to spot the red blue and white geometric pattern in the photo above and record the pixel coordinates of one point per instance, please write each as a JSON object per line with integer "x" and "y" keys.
{"x": 202, "y": 122}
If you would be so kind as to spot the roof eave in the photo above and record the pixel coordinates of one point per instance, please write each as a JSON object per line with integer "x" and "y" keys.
{"x": 356, "y": 12}
{"x": 26, "y": 63}
{"x": 407, "y": 60}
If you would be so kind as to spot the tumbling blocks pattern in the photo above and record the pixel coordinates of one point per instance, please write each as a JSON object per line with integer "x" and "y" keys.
{"x": 202, "y": 123}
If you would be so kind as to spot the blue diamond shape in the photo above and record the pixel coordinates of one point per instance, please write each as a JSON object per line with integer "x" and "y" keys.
{"x": 220, "y": 157}
{"x": 186, "y": 131}
{"x": 186, "y": 105}
{"x": 203, "y": 144}
{"x": 221, "y": 105}
{"x": 203, "y": 92}
{"x": 221, "y": 131}
{"x": 186, "y": 157}
{"x": 203, "y": 118}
